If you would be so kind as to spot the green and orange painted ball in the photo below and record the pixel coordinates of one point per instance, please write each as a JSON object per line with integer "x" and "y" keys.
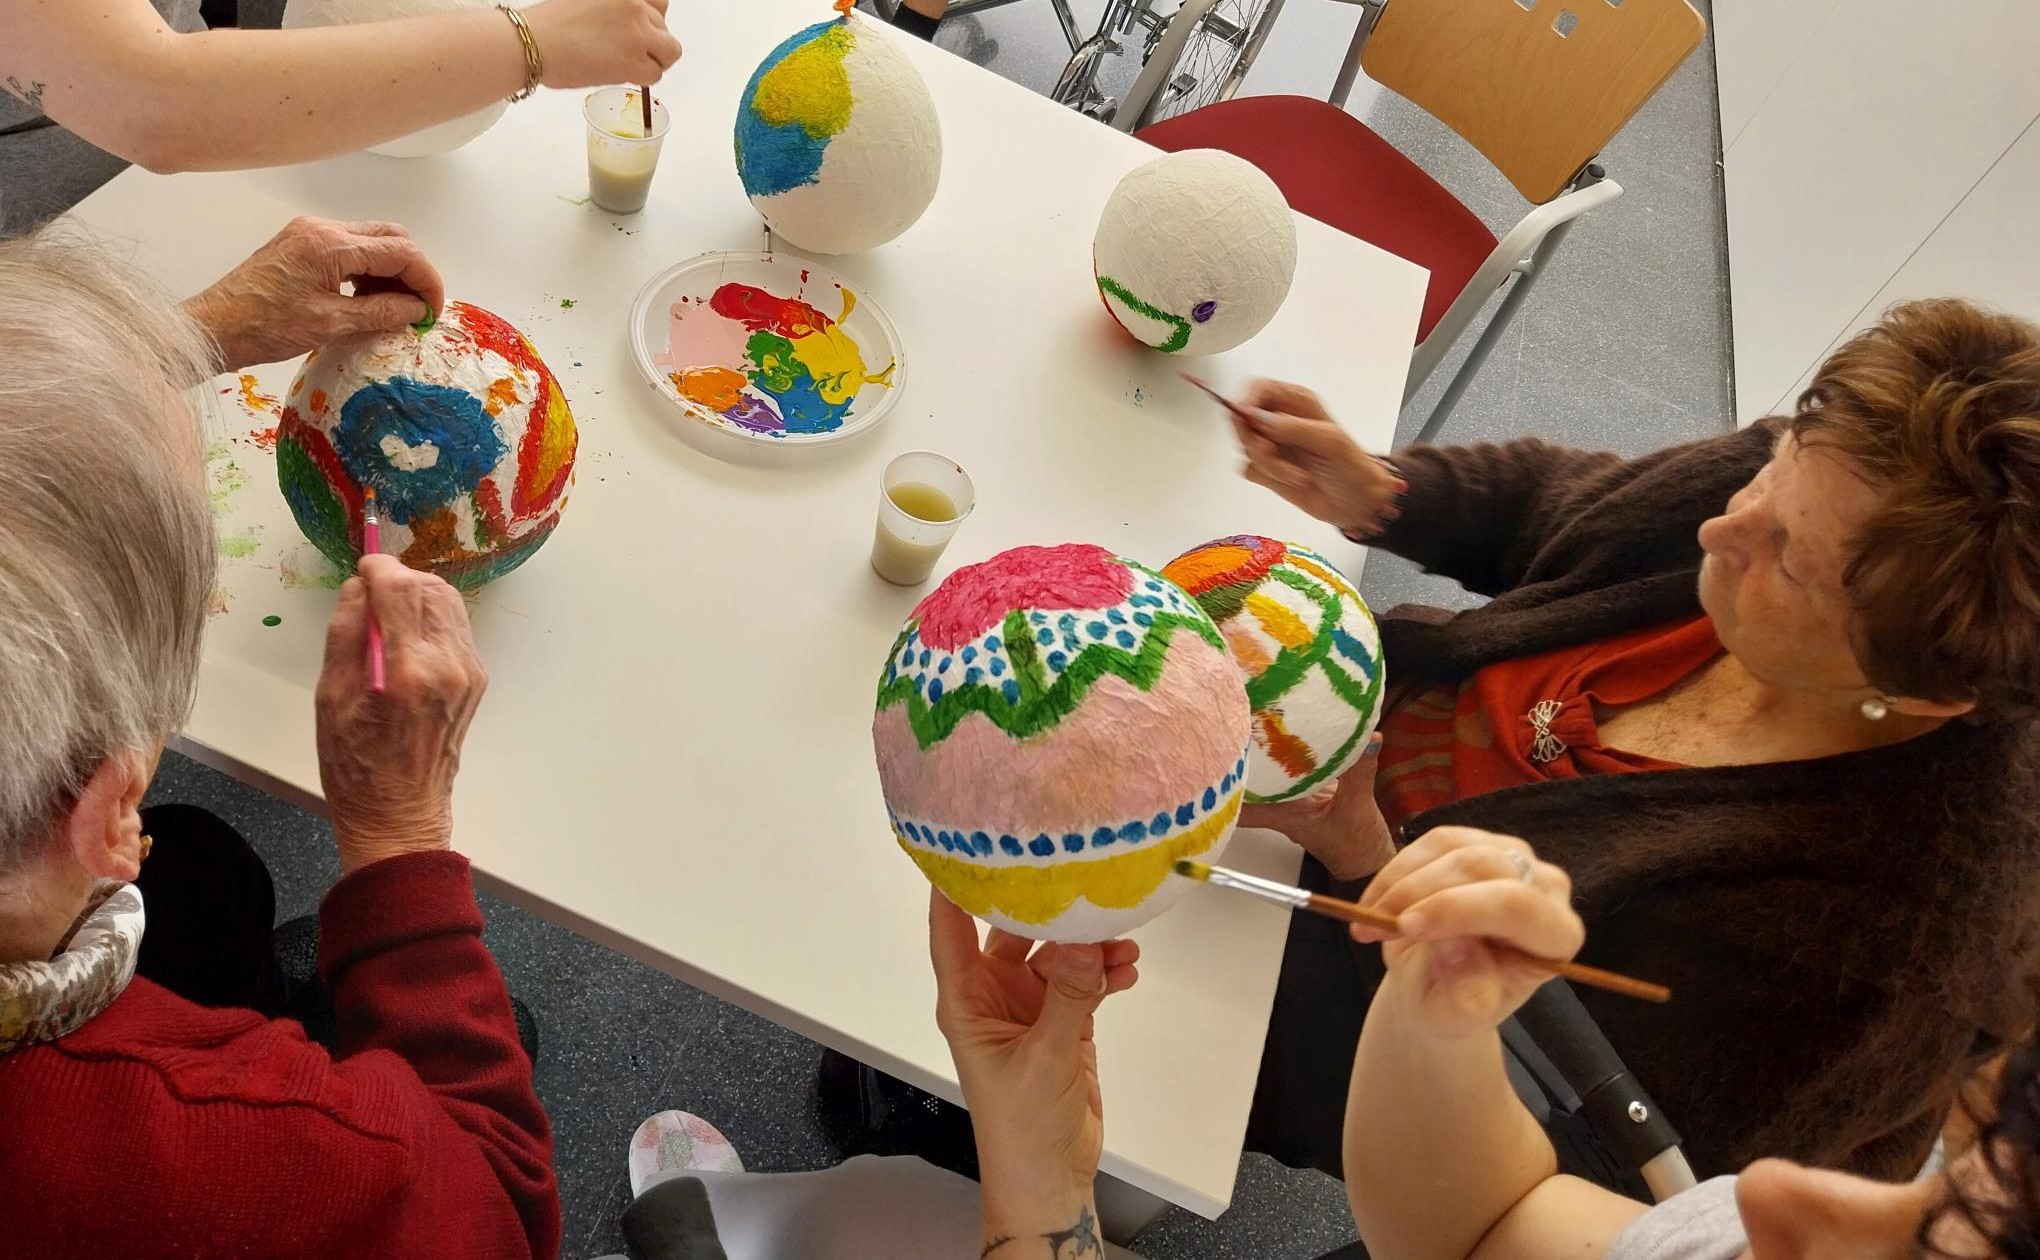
{"x": 1306, "y": 646}
{"x": 462, "y": 430}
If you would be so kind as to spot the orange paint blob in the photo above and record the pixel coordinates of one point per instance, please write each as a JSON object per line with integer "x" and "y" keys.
{"x": 251, "y": 398}
{"x": 1283, "y": 748}
{"x": 317, "y": 401}
{"x": 716, "y": 388}
{"x": 502, "y": 393}
{"x": 1205, "y": 565}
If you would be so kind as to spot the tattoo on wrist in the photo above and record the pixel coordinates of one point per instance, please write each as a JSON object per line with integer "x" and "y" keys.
{"x": 1077, "y": 1242}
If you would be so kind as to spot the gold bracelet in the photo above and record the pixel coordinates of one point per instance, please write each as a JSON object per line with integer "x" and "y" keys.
{"x": 534, "y": 65}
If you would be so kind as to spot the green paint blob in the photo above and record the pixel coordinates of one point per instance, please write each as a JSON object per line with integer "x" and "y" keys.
{"x": 566, "y": 304}
{"x": 240, "y": 545}
{"x": 272, "y": 620}
{"x": 424, "y": 325}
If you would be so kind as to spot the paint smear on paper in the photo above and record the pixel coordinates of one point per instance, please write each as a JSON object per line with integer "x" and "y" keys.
{"x": 767, "y": 364}
{"x": 251, "y": 396}
{"x": 223, "y": 475}
{"x": 272, "y": 620}
{"x": 307, "y": 568}
{"x": 241, "y": 544}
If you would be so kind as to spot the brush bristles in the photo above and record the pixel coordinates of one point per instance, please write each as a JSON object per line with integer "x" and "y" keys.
{"x": 1192, "y": 870}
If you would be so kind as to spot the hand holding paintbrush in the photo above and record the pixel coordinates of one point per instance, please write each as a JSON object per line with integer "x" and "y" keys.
{"x": 1452, "y": 884}
{"x": 1295, "y": 448}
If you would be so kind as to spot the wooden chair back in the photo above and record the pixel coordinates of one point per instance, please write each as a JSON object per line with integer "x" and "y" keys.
{"x": 1538, "y": 86}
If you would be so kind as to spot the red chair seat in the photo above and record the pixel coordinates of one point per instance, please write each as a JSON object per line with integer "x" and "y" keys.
{"x": 1332, "y": 167}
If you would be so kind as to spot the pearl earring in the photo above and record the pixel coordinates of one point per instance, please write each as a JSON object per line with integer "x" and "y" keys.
{"x": 1876, "y": 707}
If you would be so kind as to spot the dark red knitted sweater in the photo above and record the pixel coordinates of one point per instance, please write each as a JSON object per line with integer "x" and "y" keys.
{"x": 1845, "y": 936}
{"x": 165, "y": 1129}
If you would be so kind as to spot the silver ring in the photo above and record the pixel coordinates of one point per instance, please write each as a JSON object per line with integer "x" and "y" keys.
{"x": 1524, "y": 871}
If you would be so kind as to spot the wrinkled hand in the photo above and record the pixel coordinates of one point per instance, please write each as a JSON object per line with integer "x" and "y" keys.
{"x": 1018, "y": 1021}
{"x": 1459, "y": 893}
{"x": 387, "y": 762}
{"x": 594, "y": 43}
{"x": 287, "y": 297}
{"x": 1296, "y": 449}
{"x": 1340, "y": 825}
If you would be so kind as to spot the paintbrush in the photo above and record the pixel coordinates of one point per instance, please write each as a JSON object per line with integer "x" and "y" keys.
{"x": 1239, "y": 412}
{"x": 371, "y": 543}
{"x": 645, "y": 98}
{"x": 1353, "y": 912}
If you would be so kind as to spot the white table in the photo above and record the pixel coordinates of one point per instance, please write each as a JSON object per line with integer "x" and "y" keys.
{"x": 674, "y": 757}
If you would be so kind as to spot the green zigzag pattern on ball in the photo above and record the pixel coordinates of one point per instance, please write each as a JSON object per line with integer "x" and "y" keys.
{"x": 1041, "y": 704}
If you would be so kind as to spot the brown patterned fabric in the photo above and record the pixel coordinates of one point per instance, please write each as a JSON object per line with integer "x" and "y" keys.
{"x": 42, "y": 1001}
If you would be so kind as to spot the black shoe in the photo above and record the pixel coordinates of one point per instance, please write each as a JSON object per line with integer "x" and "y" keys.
{"x": 863, "y": 1111}
{"x": 919, "y": 24}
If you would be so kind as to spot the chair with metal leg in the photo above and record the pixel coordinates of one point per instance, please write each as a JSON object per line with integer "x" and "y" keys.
{"x": 1537, "y": 86}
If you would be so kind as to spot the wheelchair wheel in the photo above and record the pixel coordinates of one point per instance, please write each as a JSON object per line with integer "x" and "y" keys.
{"x": 1215, "y": 58}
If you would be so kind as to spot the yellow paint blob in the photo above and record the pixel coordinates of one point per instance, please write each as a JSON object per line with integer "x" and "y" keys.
{"x": 1282, "y": 625}
{"x": 1039, "y": 894}
{"x": 809, "y": 86}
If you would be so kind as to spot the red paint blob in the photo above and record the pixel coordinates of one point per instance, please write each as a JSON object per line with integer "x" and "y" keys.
{"x": 977, "y": 597}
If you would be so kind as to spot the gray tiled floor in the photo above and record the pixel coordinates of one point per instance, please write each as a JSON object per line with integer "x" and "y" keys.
{"x": 1624, "y": 345}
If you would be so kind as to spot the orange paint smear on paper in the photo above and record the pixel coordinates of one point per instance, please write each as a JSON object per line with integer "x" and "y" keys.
{"x": 1284, "y": 749}
{"x": 717, "y": 388}
{"x": 252, "y": 398}
{"x": 264, "y": 439}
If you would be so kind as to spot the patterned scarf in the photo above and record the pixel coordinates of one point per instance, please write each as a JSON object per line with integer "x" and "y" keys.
{"x": 42, "y": 1001}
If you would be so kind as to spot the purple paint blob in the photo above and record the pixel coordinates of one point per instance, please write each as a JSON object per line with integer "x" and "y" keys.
{"x": 753, "y": 414}
{"x": 1203, "y": 311}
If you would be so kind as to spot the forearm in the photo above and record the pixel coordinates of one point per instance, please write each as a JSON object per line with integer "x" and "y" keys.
{"x": 1478, "y": 514}
{"x": 1437, "y": 1146}
{"x": 401, "y": 949}
{"x": 219, "y": 100}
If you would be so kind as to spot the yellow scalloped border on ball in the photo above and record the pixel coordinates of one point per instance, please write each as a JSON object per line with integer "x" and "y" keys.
{"x": 1039, "y": 894}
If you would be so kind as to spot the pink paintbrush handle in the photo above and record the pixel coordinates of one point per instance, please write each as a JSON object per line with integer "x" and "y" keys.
{"x": 371, "y": 544}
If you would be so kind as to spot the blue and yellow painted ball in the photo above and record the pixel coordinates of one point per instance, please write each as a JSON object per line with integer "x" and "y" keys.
{"x": 462, "y": 430}
{"x": 837, "y": 141}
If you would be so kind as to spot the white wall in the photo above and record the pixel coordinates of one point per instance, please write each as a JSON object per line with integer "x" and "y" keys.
{"x": 1874, "y": 150}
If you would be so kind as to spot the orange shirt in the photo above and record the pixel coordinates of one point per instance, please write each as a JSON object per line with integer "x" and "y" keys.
{"x": 1531, "y": 719}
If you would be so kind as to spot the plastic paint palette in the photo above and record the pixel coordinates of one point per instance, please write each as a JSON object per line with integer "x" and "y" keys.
{"x": 768, "y": 347}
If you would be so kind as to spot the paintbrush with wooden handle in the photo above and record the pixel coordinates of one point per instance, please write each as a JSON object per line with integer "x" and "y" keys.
{"x": 1353, "y": 912}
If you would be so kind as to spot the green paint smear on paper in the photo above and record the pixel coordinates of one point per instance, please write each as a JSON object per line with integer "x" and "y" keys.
{"x": 272, "y": 620}
{"x": 566, "y": 304}
{"x": 224, "y": 476}
{"x": 241, "y": 545}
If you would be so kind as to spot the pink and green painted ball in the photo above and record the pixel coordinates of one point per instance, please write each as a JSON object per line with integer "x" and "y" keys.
{"x": 462, "y": 430}
{"x": 1056, "y": 728}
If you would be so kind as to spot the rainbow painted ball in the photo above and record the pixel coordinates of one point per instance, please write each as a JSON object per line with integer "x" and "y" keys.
{"x": 461, "y": 429}
{"x": 1308, "y": 649}
{"x": 1055, "y": 728}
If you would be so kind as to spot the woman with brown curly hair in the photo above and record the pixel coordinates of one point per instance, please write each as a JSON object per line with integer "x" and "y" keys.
{"x": 1768, "y": 697}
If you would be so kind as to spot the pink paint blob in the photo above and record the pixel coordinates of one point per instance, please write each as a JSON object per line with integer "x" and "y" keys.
{"x": 977, "y": 597}
{"x": 696, "y": 337}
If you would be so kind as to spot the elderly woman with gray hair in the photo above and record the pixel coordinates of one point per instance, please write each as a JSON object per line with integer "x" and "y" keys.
{"x": 146, "y": 1111}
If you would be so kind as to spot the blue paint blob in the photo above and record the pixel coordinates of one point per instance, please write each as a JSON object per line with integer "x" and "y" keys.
{"x": 982, "y": 843}
{"x": 1073, "y": 844}
{"x": 1011, "y": 845}
{"x": 1010, "y": 690}
{"x": 417, "y": 414}
{"x": 1102, "y": 837}
{"x": 1041, "y": 846}
{"x": 775, "y": 159}
{"x": 1133, "y": 832}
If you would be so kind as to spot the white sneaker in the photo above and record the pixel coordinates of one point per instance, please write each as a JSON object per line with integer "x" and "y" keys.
{"x": 677, "y": 1141}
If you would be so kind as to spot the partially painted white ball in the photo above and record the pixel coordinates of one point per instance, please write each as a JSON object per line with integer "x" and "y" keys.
{"x": 837, "y": 140}
{"x": 1195, "y": 252}
{"x": 442, "y": 138}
